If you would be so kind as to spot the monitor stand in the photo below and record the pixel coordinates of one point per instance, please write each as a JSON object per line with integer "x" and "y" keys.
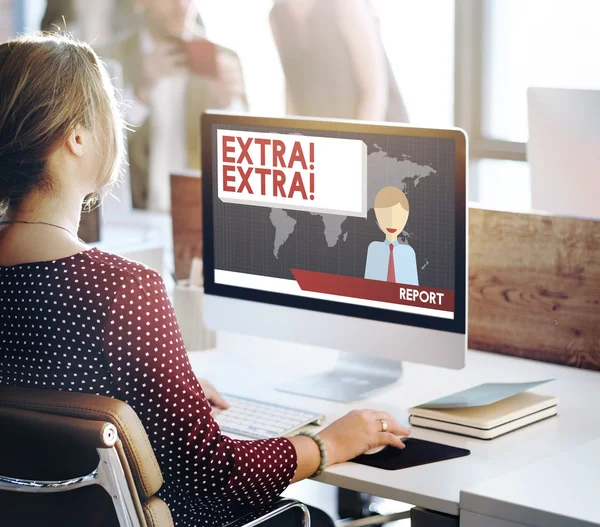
{"x": 353, "y": 378}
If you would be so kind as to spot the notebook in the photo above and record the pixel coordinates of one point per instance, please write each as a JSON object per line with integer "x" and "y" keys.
{"x": 486, "y": 411}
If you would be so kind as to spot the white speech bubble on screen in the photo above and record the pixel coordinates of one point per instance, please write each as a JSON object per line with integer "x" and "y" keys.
{"x": 339, "y": 168}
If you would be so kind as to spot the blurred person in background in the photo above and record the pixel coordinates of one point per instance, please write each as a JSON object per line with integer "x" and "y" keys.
{"x": 59, "y": 16}
{"x": 167, "y": 89}
{"x": 89, "y": 21}
{"x": 334, "y": 62}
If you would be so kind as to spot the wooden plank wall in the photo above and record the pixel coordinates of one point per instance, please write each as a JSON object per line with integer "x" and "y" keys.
{"x": 534, "y": 287}
{"x": 534, "y": 281}
{"x": 186, "y": 211}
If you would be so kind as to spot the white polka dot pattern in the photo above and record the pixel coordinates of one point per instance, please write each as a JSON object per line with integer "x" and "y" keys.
{"x": 98, "y": 323}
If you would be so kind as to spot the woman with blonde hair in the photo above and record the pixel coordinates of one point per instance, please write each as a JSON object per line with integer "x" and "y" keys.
{"x": 79, "y": 319}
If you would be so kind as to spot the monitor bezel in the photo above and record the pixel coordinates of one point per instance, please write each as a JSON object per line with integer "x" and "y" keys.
{"x": 456, "y": 325}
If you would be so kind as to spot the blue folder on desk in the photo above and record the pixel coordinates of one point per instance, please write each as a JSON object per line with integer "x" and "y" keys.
{"x": 482, "y": 395}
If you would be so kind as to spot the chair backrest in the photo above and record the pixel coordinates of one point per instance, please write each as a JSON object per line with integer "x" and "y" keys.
{"x": 54, "y": 441}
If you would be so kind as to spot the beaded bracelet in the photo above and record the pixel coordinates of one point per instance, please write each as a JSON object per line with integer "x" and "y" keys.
{"x": 322, "y": 450}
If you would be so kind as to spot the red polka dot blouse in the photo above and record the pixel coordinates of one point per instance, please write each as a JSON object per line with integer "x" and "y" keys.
{"x": 98, "y": 323}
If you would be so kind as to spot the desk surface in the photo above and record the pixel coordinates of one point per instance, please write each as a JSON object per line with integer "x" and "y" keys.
{"x": 253, "y": 367}
{"x": 553, "y": 492}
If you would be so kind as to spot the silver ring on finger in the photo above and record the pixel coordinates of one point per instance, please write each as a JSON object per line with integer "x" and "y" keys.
{"x": 384, "y": 425}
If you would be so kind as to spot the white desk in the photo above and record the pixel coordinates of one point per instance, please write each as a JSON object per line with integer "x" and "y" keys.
{"x": 252, "y": 367}
{"x": 553, "y": 492}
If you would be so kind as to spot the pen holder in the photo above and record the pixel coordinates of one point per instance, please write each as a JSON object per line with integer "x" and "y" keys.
{"x": 189, "y": 310}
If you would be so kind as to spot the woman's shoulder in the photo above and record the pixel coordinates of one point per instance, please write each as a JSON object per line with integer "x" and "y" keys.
{"x": 117, "y": 267}
{"x": 121, "y": 278}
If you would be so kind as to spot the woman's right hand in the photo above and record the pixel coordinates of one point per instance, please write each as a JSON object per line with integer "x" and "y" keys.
{"x": 359, "y": 431}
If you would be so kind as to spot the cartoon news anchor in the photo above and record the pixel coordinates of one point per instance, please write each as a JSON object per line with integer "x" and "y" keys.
{"x": 390, "y": 261}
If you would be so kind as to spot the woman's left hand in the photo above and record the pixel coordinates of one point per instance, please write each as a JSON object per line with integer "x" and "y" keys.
{"x": 212, "y": 395}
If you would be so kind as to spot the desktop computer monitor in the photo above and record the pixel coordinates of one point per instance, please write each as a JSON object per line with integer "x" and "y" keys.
{"x": 339, "y": 234}
{"x": 563, "y": 151}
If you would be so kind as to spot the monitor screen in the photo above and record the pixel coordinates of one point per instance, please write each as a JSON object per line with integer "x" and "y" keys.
{"x": 362, "y": 220}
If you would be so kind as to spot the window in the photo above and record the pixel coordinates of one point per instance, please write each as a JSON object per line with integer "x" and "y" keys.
{"x": 32, "y": 12}
{"x": 502, "y": 48}
{"x": 418, "y": 38}
{"x": 244, "y": 27}
{"x": 500, "y": 184}
{"x": 553, "y": 43}
{"x": 505, "y": 46}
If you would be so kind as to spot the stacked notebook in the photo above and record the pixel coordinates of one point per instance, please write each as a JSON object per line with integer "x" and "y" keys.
{"x": 486, "y": 411}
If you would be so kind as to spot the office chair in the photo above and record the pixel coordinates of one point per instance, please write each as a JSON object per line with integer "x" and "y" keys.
{"x": 80, "y": 459}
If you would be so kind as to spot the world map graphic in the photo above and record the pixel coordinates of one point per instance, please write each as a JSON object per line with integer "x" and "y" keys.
{"x": 406, "y": 174}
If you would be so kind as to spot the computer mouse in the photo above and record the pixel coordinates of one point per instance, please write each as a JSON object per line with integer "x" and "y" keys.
{"x": 377, "y": 449}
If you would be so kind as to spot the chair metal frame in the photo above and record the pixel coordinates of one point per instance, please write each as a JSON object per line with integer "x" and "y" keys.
{"x": 271, "y": 511}
{"x": 109, "y": 475}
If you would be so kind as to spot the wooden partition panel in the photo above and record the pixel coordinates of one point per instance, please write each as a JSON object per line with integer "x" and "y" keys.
{"x": 534, "y": 287}
{"x": 186, "y": 211}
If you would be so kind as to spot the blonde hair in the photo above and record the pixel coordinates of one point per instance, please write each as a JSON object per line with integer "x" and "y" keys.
{"x": 390, "y": 196}
{"x": 50, "y": 84}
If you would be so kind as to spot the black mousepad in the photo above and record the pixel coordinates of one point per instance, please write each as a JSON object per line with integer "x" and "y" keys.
{"x": 417, "y": 452}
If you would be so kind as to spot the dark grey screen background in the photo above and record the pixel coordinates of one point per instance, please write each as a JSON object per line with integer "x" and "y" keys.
{"x": 270, "y": 242}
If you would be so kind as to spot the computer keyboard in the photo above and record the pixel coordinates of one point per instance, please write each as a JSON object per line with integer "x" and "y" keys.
{"x": 260, "y": 420}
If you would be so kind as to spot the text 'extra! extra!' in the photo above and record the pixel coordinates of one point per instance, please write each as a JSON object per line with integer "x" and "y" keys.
{"x": 315, "y": 174}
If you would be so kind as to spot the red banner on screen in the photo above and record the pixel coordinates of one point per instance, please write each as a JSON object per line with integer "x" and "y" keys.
{"x": 350, "y": 286}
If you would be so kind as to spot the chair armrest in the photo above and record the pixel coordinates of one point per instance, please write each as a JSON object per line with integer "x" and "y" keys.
{"x": 270, "y": 511}
{"x": 68, "y": 430}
